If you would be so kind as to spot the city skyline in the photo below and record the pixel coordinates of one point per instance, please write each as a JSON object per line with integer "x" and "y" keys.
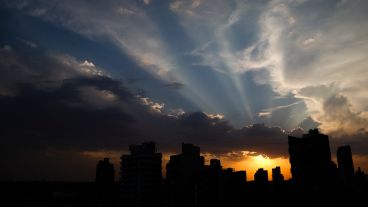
{"x": 345, "y": 162}
{"x": 191, "y": 182}
{"x": 82, "y": 80}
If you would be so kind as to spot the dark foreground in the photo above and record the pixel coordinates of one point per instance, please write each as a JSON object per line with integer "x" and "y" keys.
{"x": 89, "y": 194}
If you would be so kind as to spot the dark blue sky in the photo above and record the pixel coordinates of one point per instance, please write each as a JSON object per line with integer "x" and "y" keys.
{"x": 212, "y": 88}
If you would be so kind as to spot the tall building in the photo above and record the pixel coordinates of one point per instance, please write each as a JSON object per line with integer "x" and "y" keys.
{"x": 310, "y": 159}
{"x": 215, "y": 166}
{"x": 105, "y": 172}
{"x": 141, "y": 177}
{"x": 212, "y": 176}
{"x": 345, "y": 165}
{"x": 261, "y": 176}
{"x": 184, "y": 177}
{"x": 360, "y": 177}
{"x": 277, "y": 177}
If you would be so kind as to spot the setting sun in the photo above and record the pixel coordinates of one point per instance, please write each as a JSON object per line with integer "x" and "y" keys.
{"x": 263, "y": 161}
{"x": 252, "y": 163}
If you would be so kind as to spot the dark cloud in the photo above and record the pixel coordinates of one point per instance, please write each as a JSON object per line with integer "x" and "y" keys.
{"x": 358, "y": 143}
{"x": 309, "y": 123}
{"x": 60, "y": 118}
{"x": 89, "y": 111}
{"x": 271, "y": 141}
{"x": 40, "y": 69}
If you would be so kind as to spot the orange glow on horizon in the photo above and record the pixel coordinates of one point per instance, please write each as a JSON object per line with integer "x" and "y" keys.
{"x": 252, "y": 163}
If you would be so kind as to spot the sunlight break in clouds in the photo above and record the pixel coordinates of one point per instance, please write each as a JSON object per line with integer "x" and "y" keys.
{"x": 301, "y": 48}
{"x": 122, "y": 22}
{"x": 129, "y": 27}
{"x": 209, "y": 26}
{"x": 303, "y": 53}
{"x": 301, "y": 44}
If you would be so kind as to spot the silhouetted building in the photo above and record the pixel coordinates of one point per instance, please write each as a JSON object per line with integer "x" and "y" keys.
{"x": 261, "y": 176}
{"x": 345, "y": 163}
{"x": 212, "y": 175}
{"x": 141, "y": 177}
{"x": 240, "y": 177}
{"x": 105, "y": 172}
{"x": 310, "y": 159}
{"x": 360, "y": 177}
{"x": 184, "y": 177}
{"x": 277, "y": 177}
{"x": 215, "y": 166}
{"x": 232, "y": 186}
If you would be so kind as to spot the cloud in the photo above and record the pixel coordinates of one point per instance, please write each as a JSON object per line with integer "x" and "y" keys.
{"x": 29, "y": 43}
{"x": 339, "y": 118}
{"x": 175, "y": 5}
{"x": 133, "y": 29}
{"x": 188, "y": 7}
{"x": 144, "y": 43}
{"x": 87, "y": 64}
{"x": 309, "y": 123}
{"x": 84, "y": 109}
{"x": 266, "y": 114}
{"x": 215, "y": 116}
{"x": 301, "y": 54}
{"x": 174, "y": 85}
{"x": 125, "y": 11}
{"x": 38, "y": 11}
{"x": 216, "y": 27}
{"x": 298, "y": 132}
{"x": 155, "y": 107}
{"x": 332, "y": 110}
{"x": 309, "y": 41}
{"x": 91, "y": 112}
{"x": 48, "y": 71}
{"x": 196, "y": 3}
{"x": 311, "y": 51}
{"x": 301, "y": 44}
{"x": 6, "y": 48}
{"x": 297, "y": 52}
{"x": 98, "y": 98}
{"x": 222, "y": 22}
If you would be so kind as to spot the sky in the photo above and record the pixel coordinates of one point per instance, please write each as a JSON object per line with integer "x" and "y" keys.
{"x": 81, "y": 80}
